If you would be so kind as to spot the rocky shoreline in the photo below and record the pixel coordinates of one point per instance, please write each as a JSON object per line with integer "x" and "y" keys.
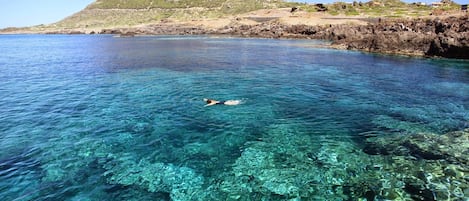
{"x": 430, "y": 37}
{"x": 447, "y": 37}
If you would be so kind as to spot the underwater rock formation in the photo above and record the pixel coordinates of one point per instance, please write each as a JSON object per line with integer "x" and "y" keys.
{"x": 452, "y": 147}
{"x": 289, "y": 165}
{"x": 281, "y": 161}
{"x": 181, "y": 182}
{"x": 431, "y": 166}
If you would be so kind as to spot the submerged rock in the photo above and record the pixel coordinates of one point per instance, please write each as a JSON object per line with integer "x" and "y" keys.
{"x": 180, "y": 182}
{"x": 289, "y": 164}
{"x": 433, "y": 167}
{"x": 452, "y": 147}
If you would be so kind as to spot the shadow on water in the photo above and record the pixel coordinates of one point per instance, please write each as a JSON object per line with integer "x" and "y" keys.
{"x": 17, "y": 171}
{"x": 23, "y": 162}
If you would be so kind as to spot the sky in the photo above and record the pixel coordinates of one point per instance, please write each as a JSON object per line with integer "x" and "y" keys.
{"x": 19, "y": 13}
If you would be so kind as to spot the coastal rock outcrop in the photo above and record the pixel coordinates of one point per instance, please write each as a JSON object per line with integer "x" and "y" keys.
{"x": 448, "y": 37}
{"x": 157, "y": 29}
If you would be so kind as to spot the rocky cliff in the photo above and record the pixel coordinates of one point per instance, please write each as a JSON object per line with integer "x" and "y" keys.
{"x": 446, "y": 37}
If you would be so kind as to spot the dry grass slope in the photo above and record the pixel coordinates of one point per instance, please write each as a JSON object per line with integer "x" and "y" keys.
{"x": 225, "y": 6}
{"x": 129, "y": 13}
{"x": 124, "y": 13}
{"x": 380, "y": 8}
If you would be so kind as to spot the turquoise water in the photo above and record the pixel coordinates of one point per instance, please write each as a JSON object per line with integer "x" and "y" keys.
{"x": 104, "y": 118}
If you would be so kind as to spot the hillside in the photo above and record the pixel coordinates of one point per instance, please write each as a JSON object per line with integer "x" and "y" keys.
{"x": 108, "y": 14}
{"x": 226, "y": 5}
{"x": 127, "y": 13}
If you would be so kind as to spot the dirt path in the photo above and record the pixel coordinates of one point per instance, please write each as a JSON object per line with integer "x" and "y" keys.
{"x": 283, "y": 15}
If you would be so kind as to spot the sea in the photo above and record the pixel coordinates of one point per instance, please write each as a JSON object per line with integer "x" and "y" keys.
{"x": 98, "y": 117}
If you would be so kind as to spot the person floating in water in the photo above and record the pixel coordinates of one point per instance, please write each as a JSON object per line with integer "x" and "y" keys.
{"x": 211, "y": 102}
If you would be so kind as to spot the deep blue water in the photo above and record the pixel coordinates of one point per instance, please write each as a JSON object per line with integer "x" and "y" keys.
{"x": 104, "y": 118}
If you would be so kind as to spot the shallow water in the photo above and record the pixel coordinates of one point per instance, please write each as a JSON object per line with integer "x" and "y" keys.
{"x": 104, "y": 118}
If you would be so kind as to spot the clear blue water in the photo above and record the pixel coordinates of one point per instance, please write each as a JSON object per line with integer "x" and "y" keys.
{"x": 104, "y": 118}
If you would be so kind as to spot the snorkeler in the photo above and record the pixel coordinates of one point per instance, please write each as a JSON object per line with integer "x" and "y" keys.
{"x": 211, "y": 102}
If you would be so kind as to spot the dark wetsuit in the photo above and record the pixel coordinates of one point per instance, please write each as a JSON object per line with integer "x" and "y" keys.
{"x": 219, "y": 102}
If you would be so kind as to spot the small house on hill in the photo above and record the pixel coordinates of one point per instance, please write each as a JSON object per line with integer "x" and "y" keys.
{"x": 464, "y": 8}
{"x": 375, "y": 3}
{"x": 437, "y": 4}
{"x": 419, "y": 3}
{"x": 320, "y": 7}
